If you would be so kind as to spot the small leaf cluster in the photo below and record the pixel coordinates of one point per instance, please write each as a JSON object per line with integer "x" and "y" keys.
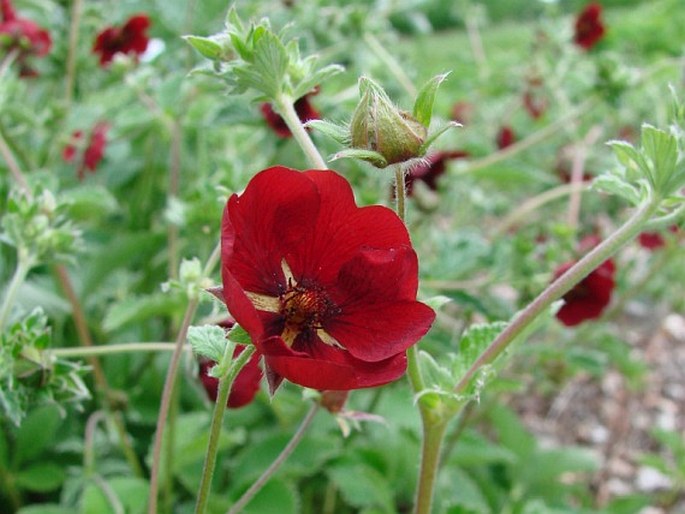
{"x": 31, "y": 376}
{"x": 443, "y": 377}
{"x": 255, "y": 58}
{"x": 210, "y": 341}
{"x": 37, "y": 226}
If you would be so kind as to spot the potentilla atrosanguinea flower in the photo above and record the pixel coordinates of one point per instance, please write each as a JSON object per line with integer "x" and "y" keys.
{"x": 505, "y": 137}
{"x": 430, "y": 168}
{"x": 93, "y": 152}
{"x": 651, "y": 240}
{"x": 130, "y": 38}
{"x": 245, "y": 386}
{"x": 589, "y": 28}
{"x": 588, "y": 299}
{"x": 326, "y": 289}
{"x": 304, "y": 109}
{"x": 23, "y": 36}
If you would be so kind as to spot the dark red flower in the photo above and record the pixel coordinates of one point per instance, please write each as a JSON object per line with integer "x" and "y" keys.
{"x": 131, "y": 38}
{"x": 651, "y": 240}
{"x": 326, "y": 289}
{"x": 505, "y": 137}
{"x": 534, "y": 103}
{"x": 589, "y": 28}
{"x": 428, "y": 169}
{"x": 304, "y": 109}
{"x": 245, "y": 385}
{"x": 93, "y": 153}
{"x": 588, "y": 299}
{"x": 23, "y": 36}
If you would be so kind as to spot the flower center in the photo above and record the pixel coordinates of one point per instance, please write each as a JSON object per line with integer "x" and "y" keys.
{"x": 305, "y": 309}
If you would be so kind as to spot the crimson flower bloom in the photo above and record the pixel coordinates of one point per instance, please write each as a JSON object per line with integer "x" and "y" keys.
{"x": 245, "y": 385}
{"x": 430, "y": 168}
{"x": 651, "y": 240}
{"x": 462, "y": 112}
{"x": 588, "y": 299}
{"x": 93, "y": 153}
{"x": 326, "y": 289}
{"x": 505, "y": 137}
{"x": 22, "y": 35}
{"x": 131, "y": 38}
{"x": 589, "y": 28}
{"x": 304, "y": 109}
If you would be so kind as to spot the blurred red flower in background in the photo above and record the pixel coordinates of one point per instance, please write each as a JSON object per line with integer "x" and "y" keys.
{"x": 131, "y": 38}
{"x": 505, "y": 137}
{"x": 93, "y": 152}
{"x": 326, "y": 289}
{"x": 245, "y": 385}
{"x": 589, "y": 28}
{"x": 588, "y": 299}
{"x": 22, "y": 36}
{"x": 430, "y": 168}
{"x": 304, "y": 109}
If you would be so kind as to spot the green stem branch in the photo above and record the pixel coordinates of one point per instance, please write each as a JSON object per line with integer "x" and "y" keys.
{"x": 76, "y": 10}
{"x": 561, "y": 286}
{"x": 286, "y": 108}
{"x": 112, "y": 349}
{"x": 225, "y": 384}
{"x": 392, "y": 64}
{"x": 169, "y": 382}
{"x": 23, "y": 266}
{"x": 278, "y": 461}
{"x": 433, "y": 434}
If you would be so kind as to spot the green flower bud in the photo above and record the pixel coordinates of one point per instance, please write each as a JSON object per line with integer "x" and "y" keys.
{"x": 378, "y": 126}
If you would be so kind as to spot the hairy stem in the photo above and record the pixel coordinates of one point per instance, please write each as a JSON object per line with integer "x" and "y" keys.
{"x": 278, "y": 461}
{"x": 169, "y": 381}
{"x": 561, "y": 286}
{"x": 113, "y": 349}
{"x": 76, "y": 10}
{"x": 286, "y": 108}
{"x": 224, "y": 389}
{"x": 24, "y": 264}
{"x": 433, "y": 434}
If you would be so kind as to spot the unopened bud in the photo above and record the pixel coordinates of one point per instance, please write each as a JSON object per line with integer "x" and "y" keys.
{"x": 378, "y": 126}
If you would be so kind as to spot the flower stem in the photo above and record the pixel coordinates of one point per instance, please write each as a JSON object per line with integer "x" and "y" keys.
{"x": 286, "y": 108}
{"x": 289, "y": 448}
{"x": 24, "y": 264}
{"x": 433, "y": 434}
{"x": 224, "y": 389}
{"x": 433, "y": 426}
{"x": 169, "y": 385}
{"x": 76, "y": 10}
{"x": 561, "y": 286}
{"x": 13, "y": 166}
{"x": 113, "y": 349}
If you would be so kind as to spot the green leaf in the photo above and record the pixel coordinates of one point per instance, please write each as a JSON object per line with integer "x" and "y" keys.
{"x": 131, "y": 492}
{"x": 365, "y": 155}
{"x": 133, "y": 310}
{"x": 436, "y": 134}
{"x": 41, "y": 477}
{"x": 37, "y": 432}
{"x": 45, "y": 509}
{"x": 239, "y": 335}
{"x": 423, "y": 106}
{"x": 340, "y": 133}
{"x": 437, "y": 302}
{"x": 361, "y": 485}
{"x": 276, "y": 497}
{"x": 270, "y": 63}
{"x": 208, "y": 341}
{"x": 472, "y": 343}
{"x": 309, "y": 82}
{"x": 613, "y": 184}
{"x": 661, "y": 148}
{"x": 207, "y": 46}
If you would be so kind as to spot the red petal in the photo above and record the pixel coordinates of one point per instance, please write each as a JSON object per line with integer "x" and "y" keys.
{"x": 341, "y": 230}
{"x": 330, "y": 368}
